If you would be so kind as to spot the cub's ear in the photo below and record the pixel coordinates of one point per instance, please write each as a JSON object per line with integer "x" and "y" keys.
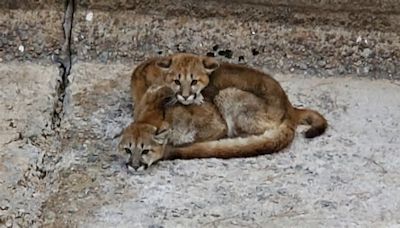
{"x": 164, "y": 63}
{"x": 210, "y": 64}
{"x": 162, "y": 134}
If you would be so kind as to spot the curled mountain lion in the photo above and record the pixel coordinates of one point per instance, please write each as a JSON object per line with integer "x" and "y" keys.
{"x": 161, "y": 126}
{"x": 191, "y": 77}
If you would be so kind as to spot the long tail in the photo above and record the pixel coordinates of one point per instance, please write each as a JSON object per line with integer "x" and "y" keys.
{"x": 269, "y": 142}
{"x": 316, "y": 120}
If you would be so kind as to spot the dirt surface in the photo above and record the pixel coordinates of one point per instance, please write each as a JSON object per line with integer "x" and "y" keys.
{"x": 348, "y": 176}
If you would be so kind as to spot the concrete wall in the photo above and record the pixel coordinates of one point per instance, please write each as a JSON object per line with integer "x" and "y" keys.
{"x": 349, "y": 37}
{"x": 377, "y": 6}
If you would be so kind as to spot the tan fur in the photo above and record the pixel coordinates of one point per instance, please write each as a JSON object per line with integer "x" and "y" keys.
{"x": 157, "y": 124}
{"x": 258, "y": 110}
{"x": 213, "y": 77}
{"x": 251, "y": 132}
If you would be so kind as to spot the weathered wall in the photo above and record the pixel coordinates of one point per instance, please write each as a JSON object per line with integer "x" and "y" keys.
{"x": 280, "y": 38}
{"x": 376, "y": 6}
{"x": 349, "y": 37}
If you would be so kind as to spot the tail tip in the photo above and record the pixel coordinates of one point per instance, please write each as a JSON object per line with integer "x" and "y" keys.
{"x": 314, "y": 132}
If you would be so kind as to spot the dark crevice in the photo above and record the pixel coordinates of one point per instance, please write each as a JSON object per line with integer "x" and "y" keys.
{"x": 65, "y": 63}
{"x": 45, "y": 166}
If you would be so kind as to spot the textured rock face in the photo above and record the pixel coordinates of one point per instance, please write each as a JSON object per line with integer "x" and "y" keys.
{"x": 32, "y": 4}
{"x": 27, "y": 100}
{"x": 314, "y": 44}
{"x": 341, "y": 5}
{"x": 279, "y": 38}
{"x": 30, "y": 35}
{"x": 283, "y": 37}
{"x": 337, "y": 5}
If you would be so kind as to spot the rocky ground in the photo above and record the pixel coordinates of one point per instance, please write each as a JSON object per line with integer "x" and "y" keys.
{"x": 349, "y": 176}
{"x": 59, "y": 166}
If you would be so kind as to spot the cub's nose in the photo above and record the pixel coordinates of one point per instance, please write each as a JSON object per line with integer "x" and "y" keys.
{"x": 133, "y": 166}
{"x": 182, "y": 97}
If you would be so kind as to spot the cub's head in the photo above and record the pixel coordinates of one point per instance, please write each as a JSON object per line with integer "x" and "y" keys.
{"x": 187, "y": 74}
{"x": 145, "y": 143}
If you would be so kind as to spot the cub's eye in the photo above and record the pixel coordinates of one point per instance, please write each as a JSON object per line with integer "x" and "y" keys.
{"x": 145, "y": 152}
{"x": 194, "y": 82}
{"x": 177, "y": 82}
{"x": 128, "y": 151}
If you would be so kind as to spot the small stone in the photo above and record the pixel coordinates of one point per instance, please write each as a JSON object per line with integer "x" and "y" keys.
{"x": 8, "y": 57}
{"x": 341, "y": 70}
{"x": 321, "y": 63}
{"x": 180, "y": 48}
{"x": 9, "y": 223}
{"x": 92, "y": 158}
{"x": 303, "y": 66}
{"x": 21, "y": 48}
{"x": 366, "y": 53}
{"x": 215, "y": 48}
{"x": 391, "y": 68}
{"x": 254, "y": 52}
{"x": 72, "y": 209}
{"x": 327, "y": 204}
{"x": 282, "y": 191}
{"x": 89, "y": 16}
{"x": 105, "y": 166}
{"x": 23, "y": 36}
{"x": 298, "y": 167}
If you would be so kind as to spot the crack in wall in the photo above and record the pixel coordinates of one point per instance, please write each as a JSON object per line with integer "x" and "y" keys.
{"x": 64, "y": 62}
{"x": 47, "y": 161}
